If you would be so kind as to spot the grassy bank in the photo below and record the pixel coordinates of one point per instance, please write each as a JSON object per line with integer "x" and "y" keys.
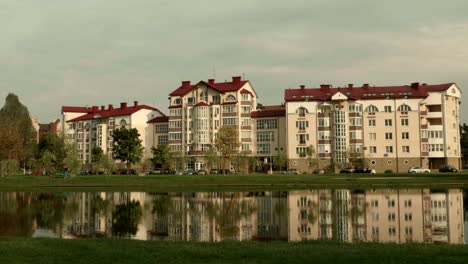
{"x": 18, "y": 250}
{"x": 234, "y": 182}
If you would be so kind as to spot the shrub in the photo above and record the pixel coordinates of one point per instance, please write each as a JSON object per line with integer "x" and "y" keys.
{"x": 388, "y": 171}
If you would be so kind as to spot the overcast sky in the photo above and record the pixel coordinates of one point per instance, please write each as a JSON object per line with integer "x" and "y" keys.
{"x": 96, "y": 52}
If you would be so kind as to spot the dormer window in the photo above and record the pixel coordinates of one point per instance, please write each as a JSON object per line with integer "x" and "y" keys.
{"x": 302, "y": 111}
{"x": 372, "y": 109}
{"x": 404, "y": 109}
{"x": 230, "y": 98}
{"x": 177, "y": 101}
{"x": 123, "y": 123}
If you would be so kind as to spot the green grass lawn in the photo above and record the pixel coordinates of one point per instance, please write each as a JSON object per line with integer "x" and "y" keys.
{"x": 234, "y": 182}
{"x": 20, "y": 250}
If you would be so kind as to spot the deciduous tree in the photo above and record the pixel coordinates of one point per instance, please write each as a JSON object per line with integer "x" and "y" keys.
{"x": 127, "y": 146}
{"x": 227, "y": 143}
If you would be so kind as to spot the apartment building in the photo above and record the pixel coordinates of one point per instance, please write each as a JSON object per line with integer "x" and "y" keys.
{"x": 89, "y": 127}
{"x": 385, "y": 127}
{"x": 268, "y": 133}
{"x": 197, "y": 112}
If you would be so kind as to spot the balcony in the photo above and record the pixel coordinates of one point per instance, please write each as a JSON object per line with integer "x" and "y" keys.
{"x": 423, "y": 113}
{"x": 434, "y": 115}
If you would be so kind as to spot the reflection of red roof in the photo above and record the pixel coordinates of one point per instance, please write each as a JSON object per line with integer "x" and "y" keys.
{"x": 201, "y": 104}
{"x": 269, "y": 111}
{"x": 75, "y": 109}
{"x": 97, "y": 113}
{"x": 221, "y": 87}
{"x": 325, "y": 92}
{"x": 159, "y": 119}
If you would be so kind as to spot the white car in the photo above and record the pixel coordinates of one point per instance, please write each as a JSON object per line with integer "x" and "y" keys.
{"x": 418, "y": 170}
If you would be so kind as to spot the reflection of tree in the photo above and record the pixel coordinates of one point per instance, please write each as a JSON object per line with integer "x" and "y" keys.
{"x": 312, "y": 212}
{"x": 227, "y": 214}
{"x": 15, "y": 214}
{"x": 125, "y": 218}
{"x": 51, "y": 209}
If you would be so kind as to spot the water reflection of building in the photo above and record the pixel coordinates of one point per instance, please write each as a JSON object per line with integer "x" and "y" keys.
{"x": 383, "y": 215}
{"x": 272, "y": 221}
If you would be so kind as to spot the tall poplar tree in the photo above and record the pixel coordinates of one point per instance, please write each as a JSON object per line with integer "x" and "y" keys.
{"x": 17, "y": 130}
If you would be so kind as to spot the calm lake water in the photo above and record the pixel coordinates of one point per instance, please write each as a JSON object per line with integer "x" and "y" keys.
{"x": 381, "y": 215}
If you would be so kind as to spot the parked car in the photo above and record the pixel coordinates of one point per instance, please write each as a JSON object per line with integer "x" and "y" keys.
{"x": 201, "y": 172}
{"x": 214, "y": 171}
{"x": 418, "y": 170}
{"x": 190, "y": 172}
{"x": 448, "y": 168}
{"x": 125, "y": 172}
{"x": 364, "y": 170}
{"x": 178, "y": 172}
{"x": 291, "y": 171}
{"x": 318, "y": 171}
{"x": 347, "y": 170}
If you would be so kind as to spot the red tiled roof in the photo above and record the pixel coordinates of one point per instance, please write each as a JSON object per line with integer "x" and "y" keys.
{"x": 159, "y": 119}
{"x": 75, "y": 109}
{"x": 221, "y": 87}
{"x": 325, "y": 93}
{"x": 112, "y": 112}
{"x": 269, "y": 111}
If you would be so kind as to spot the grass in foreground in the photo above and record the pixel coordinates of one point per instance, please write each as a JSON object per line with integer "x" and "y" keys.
{"x": 18, "y": 250}
{"x": 234, "y": 182}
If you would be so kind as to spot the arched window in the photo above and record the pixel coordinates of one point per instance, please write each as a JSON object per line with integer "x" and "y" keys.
{"x": 302, "y": 111}
{"x": 372, "y": 109}
{"x": 230, "y": 98}
{"x": 404, "y": 109}
{"x": 123, "y": 123}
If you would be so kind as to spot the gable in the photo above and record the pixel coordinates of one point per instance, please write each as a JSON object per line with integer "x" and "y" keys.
{"x": 339, "y": 96}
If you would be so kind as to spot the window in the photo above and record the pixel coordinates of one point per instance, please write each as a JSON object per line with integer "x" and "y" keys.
{"x": 175, "y": 124}
{"x": 215, "y": 98}
{"x": 245, "y": 147}
{"x": 229, "y": 121}
{"x": 372, "y": 136}
{"x": 375, "y": 203}
{"x": 387, "y": 109}
{"x": 245, "y": 134}
{"x": 302, "y": 138}
{"x": 389, "y": 149}
{"x": 436, "y": 147}
{"x": 323, "y": 122}
{"x": 355, "y": 135}
{"x": 388, "y": 136}
{"x": 356, "y": 121}
{"x": 265, "y": 137}
{"x": 230, "y": 98}
{"x": 404, "y": 109}
{"x": 302, "y": 111}
{"x": 175, "y": 136}
{"x": 407, "y": 203}
{"x": 404, "y": 122}
{"x": 229, "y": 108}
{"x": 190, "y": 100}
{"x": 301, "y": 151}
{"x": 392, "y": 231}
{"x": 372, "y": 122}
{"x": 372, "y": 149}
{"x": 246, "y": 109}
{"x": 162, "y": 140}
{"x": 391, "y": 217}
{"x": 267, "y": 123}
{"x": 245, "y": 122}
{"x": 263, "y": 149}
{"x": 372, "y": 109}
{"x": 391, "y": 203}
{"x": 388, "y": 122}
{"x": 355, "y": 108}
{"x": 405, "y": 149}
{"x": 245, "y": 97}
{"x": 408, "y": 217}
{"x": 405, "y": 135}
{"x": 324, "y": 135}
{"x": 177, "y": 101}
{"x": 302, "y": 125}
{"x": 161, "y": 128}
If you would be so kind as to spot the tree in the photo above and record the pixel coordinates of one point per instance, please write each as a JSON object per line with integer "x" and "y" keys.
{"x": 227, "y": 143}
{"x": 312, "y": 157}
{"x": 53, "y": 144}
{"x": 47, "y": 162}
{"x": 161, "y": 156}
{"x": 71, "y": 160}
{"x": 127, "y": 146}
{"x": 356, "y": 158}
{"x": 18, "y": 129}
{"x": 125, "y": 218}
{"x": 464, "y": 141}
{"x": 212, "y": 158}
{"x": 280, "y": 160}
{"x": 96, "y": 154}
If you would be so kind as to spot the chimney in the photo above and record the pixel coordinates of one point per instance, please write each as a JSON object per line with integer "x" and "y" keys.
{"x": 95, "y": 109}
{"x": 350, "y": 86}
{"x": 135, "y": 103}
{"x": 111, "y": 107}
{"x": 123, "y": 105}
{"x": 302, "y": 87}
{"x": 365, "y": 86}
{"x": 103, "y": 108}
{"x": 415, "y": 85}
{"x": 186, "y": 84}
{"x": 324, "y": 87}
{"x": 236, "y": 79}
{"x": 211, "y": 81}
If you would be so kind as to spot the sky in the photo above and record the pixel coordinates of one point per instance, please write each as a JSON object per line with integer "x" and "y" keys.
{"x": 96, "y": 52}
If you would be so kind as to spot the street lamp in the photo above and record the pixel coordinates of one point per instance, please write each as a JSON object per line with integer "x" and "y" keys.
{"x": 271, "y": 154}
